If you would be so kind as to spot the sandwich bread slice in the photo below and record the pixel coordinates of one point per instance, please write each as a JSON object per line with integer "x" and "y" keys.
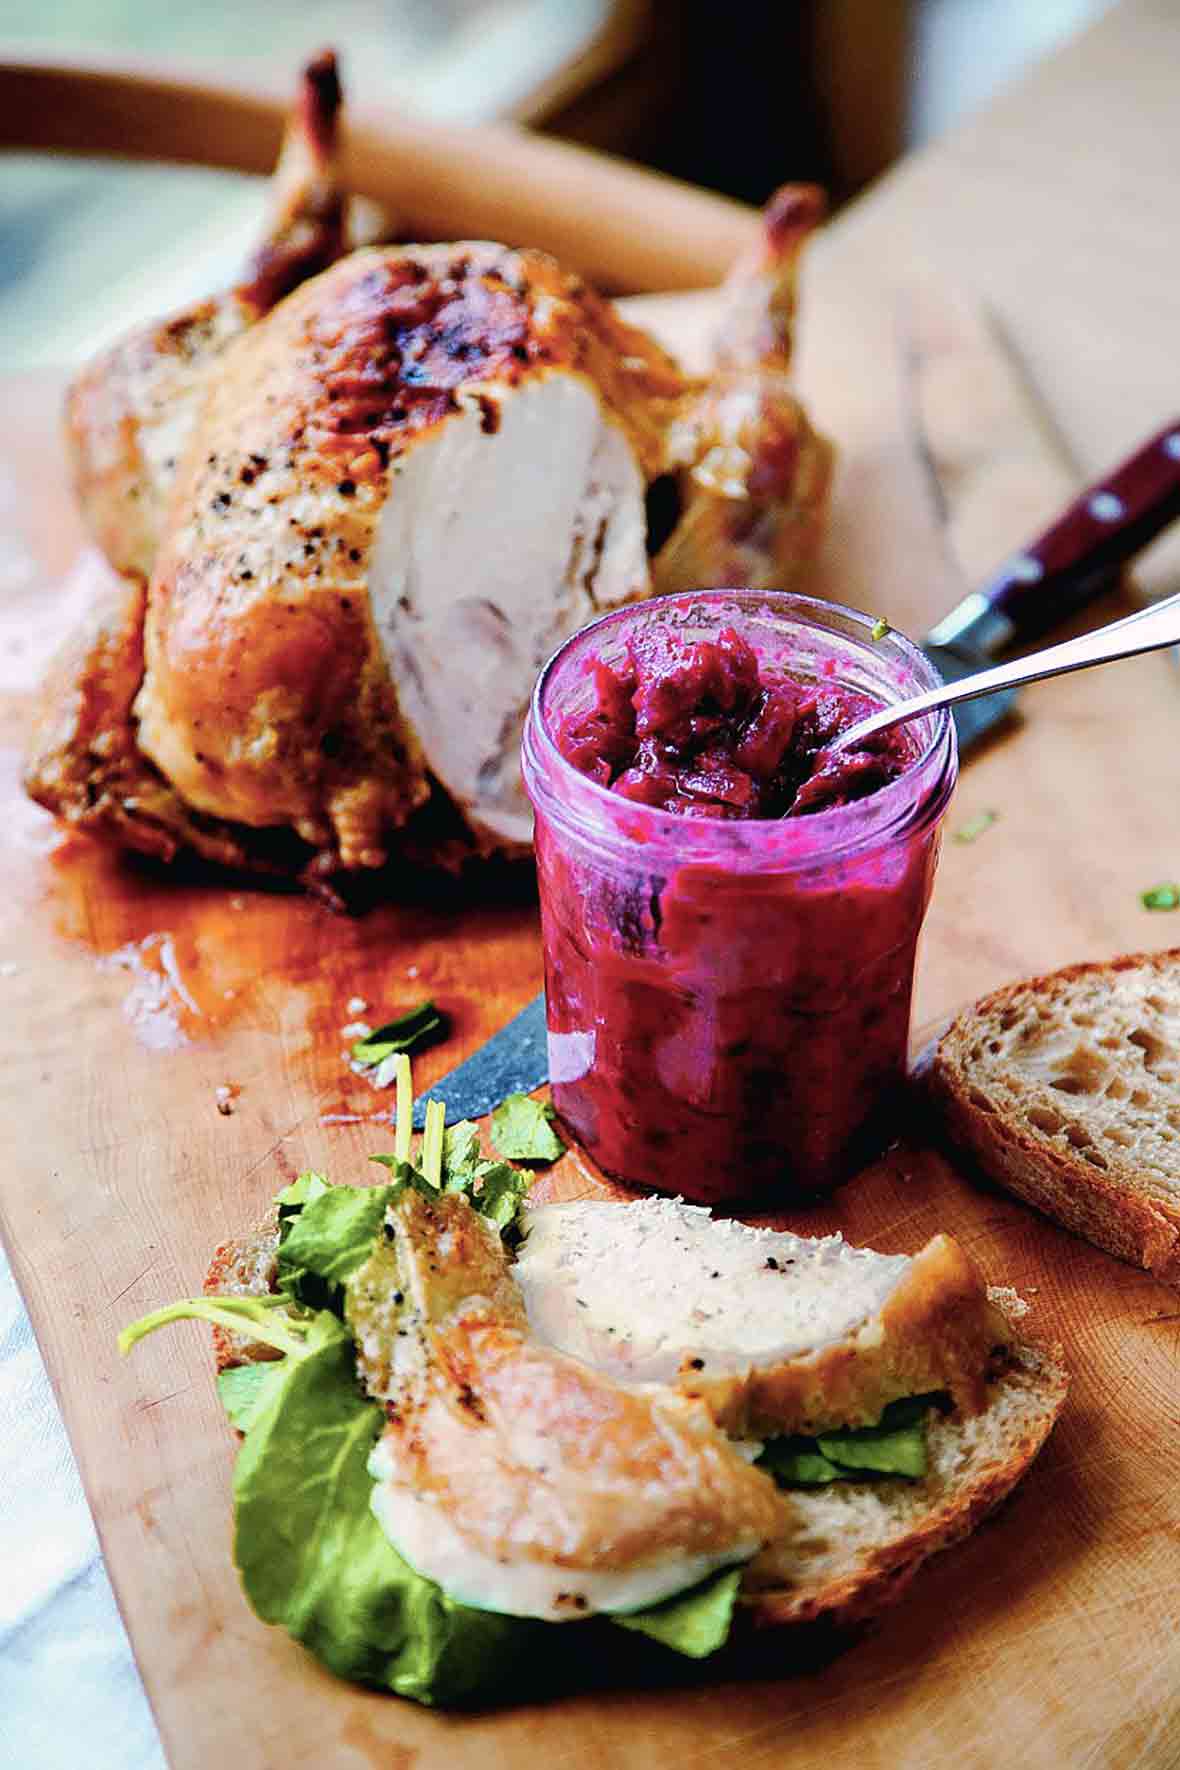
{"x": 1066, "y": 1090}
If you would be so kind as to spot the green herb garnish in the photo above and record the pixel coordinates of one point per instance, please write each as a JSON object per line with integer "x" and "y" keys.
{"x": 975, "y": 826}
{"x": 420, "y": 1026}
{"x": 522, "y": 1130}
{"x": 1161, "y": 897}
{"x": 881, "y": 627}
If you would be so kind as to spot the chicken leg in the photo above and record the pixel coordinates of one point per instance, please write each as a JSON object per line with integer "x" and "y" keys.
{"x": 754, "y": 475}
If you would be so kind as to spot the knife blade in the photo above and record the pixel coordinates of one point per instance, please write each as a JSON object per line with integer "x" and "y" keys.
{"x": 514, "y": 1060}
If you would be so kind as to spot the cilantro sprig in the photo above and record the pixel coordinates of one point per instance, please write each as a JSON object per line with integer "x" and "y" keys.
{"x": 522, "y": 1130}
{"x": 975, "y": 827}
{"x": 379, "y": 1050}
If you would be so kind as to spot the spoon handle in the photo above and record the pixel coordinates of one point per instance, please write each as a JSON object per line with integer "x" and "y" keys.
{"x": 1148, "y": 630}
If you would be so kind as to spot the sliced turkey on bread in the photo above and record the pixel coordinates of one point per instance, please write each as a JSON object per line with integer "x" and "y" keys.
{"x": 843, "y": 1551}
{"x": 517, "y": 1478}
{"x": 857, "y": 1544}
{"x": 1066, "y": 1090}
{"x": 776, "y": 1333}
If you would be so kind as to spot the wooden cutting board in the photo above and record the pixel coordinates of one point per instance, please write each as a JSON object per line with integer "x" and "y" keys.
{"x": 131, "y": 999}
{"x": 1050, "y": 1638}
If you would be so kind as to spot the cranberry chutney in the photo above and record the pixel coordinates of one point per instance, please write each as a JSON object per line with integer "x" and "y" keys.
{"x": 730, "y": 911}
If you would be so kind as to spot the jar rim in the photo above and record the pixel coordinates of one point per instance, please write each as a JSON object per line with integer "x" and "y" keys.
{"x": 891, "y": 812}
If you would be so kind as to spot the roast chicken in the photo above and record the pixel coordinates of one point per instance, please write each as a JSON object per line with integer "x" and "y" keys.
{"x": 348, "y": 508}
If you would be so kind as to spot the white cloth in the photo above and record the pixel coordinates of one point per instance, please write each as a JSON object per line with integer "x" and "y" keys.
{"x": 70, "y": 1693}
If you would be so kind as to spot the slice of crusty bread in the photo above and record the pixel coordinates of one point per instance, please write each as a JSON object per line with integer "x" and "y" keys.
{"x": 1066, "y": 1090}
{"x": 861, "y": 1541}
{"x": 247, "y": 1266}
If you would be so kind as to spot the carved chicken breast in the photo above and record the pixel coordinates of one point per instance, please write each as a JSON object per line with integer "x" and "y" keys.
{"x": 516, "y": 1477}
{"x": 353, "y": 515}
{"x": 423, "y": 470}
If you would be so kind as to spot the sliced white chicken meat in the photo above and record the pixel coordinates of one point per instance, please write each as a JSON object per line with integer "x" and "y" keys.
{"x": 515, "y": 1477}
{"x": 775, "y": 1332}
{"x": 487, "y": 557}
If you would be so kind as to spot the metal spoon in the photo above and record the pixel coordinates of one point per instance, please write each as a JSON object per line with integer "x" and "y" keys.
{"x": 1151, "y": 629}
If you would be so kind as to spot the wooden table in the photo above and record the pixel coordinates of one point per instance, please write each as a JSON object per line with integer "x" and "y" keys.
{"x": 1050, "y": 1639}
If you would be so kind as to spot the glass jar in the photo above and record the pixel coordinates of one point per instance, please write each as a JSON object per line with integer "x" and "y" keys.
{"x": 729, "y": 1001}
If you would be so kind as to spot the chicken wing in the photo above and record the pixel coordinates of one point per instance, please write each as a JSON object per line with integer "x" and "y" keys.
{"x": 754, "y": 474}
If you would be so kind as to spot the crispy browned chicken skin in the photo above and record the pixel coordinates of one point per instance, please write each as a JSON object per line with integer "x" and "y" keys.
{"x": 347, "y": 518}
{"x": 520, "y": 1478}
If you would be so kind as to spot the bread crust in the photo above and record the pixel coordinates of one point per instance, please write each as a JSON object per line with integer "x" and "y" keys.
{"x": 781, "y": 1587}
{"x": 245, "y": 1266}
{"x": 1099, "y": 1204}
{"x": 1032, "y": 1383}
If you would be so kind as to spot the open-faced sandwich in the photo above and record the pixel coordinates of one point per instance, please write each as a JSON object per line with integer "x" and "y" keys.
{"x": 468, "y": 1424}
{"x": 352, "y": 504}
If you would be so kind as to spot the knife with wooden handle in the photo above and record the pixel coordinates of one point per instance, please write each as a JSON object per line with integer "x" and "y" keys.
{"x": 1078, "y": 556}
{"x": 997, "y": 473}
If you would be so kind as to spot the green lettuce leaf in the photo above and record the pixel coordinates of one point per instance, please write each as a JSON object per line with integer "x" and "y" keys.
{"x": 522, "y": 1130}
{"x": 314, "y": 1560}
{"x": 798, "y": 1462}
{"x": 498, "y": 1191}
{"x": 896, "y": 1445}
{"x": 332, "y": 1235}
{"x": 291, "y": 1200}
{"x": 301, "y": 1191}
{"x": 243, "y": 1389}
{"x": 460, "y": 1154}
{"x": 694, "y": 1623}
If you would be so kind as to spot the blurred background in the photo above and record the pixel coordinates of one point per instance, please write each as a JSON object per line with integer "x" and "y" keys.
{"x": 735, "y": 97}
